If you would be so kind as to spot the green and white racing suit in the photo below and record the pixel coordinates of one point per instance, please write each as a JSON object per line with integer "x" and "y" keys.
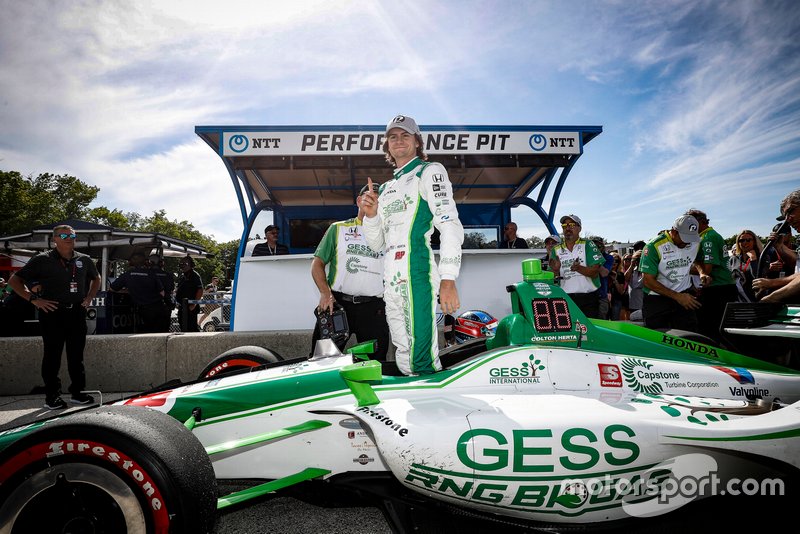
{"x": 417, "y": 199}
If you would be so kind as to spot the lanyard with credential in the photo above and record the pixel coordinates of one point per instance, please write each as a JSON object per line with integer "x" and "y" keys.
{"x": 73, "y": 285}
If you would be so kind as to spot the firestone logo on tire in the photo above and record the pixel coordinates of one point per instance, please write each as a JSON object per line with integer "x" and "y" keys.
{"x": 113, "y": 456}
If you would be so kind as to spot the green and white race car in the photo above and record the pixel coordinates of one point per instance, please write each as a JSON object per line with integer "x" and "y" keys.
{"x": 556, "y": 419}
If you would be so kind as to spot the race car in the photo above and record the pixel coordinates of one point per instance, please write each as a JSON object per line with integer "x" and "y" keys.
{"x": 554, "y": 421}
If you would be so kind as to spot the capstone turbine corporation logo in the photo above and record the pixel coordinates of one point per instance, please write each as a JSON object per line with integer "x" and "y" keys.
{"x": 538, "y": 142}
{"x": 639, "y": 376}
{"x": 238, "y": 143}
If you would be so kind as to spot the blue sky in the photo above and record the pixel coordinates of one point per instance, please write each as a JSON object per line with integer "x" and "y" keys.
{"x": 699, "y": 100}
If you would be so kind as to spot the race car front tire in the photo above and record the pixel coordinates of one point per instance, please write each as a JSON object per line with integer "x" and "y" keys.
{"x": 236, "y": 359}
{"x": 111, "y": 469}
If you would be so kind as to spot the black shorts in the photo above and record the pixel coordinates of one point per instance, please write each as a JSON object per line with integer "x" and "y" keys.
{"x": 661, "y": 312}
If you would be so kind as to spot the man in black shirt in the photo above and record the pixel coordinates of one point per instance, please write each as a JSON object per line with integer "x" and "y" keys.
{"x": 271, "y": 247}
{"x": 147, "y": 294}
{"x": 511, "y": 240}
{"x": 168, "y": 283}
{"x": 190, "y": 287}
{"x": 69, "y": 282}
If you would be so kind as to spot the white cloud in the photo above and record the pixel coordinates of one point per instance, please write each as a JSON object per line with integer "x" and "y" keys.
{"x": 698, "y": 96}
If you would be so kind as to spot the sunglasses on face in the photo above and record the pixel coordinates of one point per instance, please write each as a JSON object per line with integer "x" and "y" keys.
{"x": 745, "y": 240}
{"x": 67, "y": 236}
{"x": 568, "y": 225}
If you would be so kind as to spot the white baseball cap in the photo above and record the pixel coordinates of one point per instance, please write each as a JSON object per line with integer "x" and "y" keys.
{"x": 404, "y": 122}
{"x": 687, "y": 227}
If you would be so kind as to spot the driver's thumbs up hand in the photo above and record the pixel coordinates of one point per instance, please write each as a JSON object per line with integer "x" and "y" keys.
{"x": 369, "y": 202}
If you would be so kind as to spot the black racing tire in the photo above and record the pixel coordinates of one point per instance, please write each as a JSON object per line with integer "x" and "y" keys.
{"x": 691, "y": 336}
{"x": 111, "y": 469}
{"x": 211, "y": 326}
{"x": 236, "y": 359}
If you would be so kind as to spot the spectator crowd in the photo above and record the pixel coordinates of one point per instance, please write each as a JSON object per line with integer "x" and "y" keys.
{"x": 684, "y": 277}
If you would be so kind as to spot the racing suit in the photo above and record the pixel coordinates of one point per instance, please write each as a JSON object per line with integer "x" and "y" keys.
{"x": 417, "y": 199}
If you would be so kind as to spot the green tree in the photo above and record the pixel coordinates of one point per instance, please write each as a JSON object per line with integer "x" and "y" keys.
{"x": 28, "y": 202}
{"x": 227, "y": 259}
{"x": 114, "y": 218}
{"x": 535, "y": 242}
{"x": 473, "y": 240}
{"x": 160, "y": 223}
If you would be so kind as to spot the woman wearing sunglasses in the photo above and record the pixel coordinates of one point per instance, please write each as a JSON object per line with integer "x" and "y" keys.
{"x": 744, "y": 257}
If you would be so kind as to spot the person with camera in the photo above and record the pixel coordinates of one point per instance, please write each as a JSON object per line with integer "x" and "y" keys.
{"x": 354, "y": 282}
{"x": 69, "y": 282}
{"x": 786, "y": 289}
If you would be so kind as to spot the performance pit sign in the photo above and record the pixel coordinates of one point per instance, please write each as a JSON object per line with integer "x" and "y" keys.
{"x": 353, "y": 143}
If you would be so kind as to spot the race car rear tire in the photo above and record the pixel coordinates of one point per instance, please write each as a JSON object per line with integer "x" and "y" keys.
{"x": 111, "y": 469}
{"x": 237, "y": 359}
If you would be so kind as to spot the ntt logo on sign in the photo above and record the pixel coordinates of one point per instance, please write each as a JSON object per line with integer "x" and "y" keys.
{"x": 238, "y": 143}
{"x": 538, "y": 142}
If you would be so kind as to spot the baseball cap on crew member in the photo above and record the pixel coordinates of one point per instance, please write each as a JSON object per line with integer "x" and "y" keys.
{"x": 687, "y": 227}
{"x": 272, "y": 227}
{"x": 553, "y": 238}
{"x": 404, "y": 122}
{"x": 573, "y": 217}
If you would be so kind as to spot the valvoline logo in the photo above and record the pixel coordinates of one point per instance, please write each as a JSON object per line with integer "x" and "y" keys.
{"x": 741, "y": 374}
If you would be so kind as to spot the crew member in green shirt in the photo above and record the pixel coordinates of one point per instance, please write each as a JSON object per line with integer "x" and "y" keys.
{"x": 718, "y": 287}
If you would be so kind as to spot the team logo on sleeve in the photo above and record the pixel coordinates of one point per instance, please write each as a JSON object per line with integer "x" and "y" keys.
{"x": 438, "y": 178}
{"x": 437, "y": 187}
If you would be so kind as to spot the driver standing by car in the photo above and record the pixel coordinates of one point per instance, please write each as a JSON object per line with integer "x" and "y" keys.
{"x": 354, "y": 281}
{"x": 399, "y": 223}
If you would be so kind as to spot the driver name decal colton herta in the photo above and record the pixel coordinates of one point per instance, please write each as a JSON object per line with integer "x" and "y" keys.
{"x": 382, "y": 417}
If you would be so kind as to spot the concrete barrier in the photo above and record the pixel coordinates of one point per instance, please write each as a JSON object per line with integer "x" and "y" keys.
{"x": 135, "y": 362}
